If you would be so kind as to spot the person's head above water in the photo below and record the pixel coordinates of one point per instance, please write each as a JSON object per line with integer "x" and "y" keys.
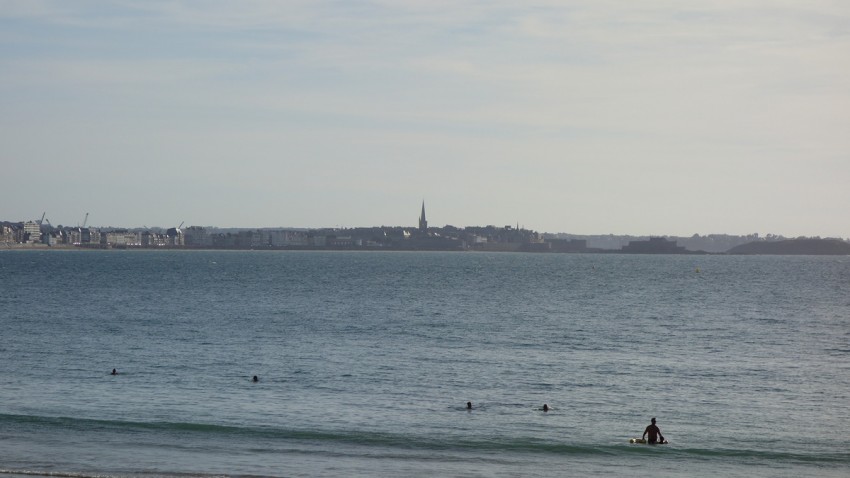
{"x": 468, "y": 405}
{"x": 545, "y": 407}
{"x": 255, "y": 379}
{"x": 114, "y": 372}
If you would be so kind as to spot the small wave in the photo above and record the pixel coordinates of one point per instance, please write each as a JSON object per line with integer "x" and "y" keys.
{"x": 63, "y": 474}
{"x": 394, "y": 441}
{"x": 72, "y": 474}
{"x": 767, "y": 456}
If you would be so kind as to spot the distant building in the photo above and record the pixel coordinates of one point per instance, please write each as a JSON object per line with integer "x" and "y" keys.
{"x": 82, "y": 235}
{"x": 52, "y": 238}
{"x": 174, "y": 237}
{"x": 196, "y": 236}
{"x": 32, "y": 232}
{"x": 284, "y": 238}
{"x": 150, "y": 239}
{"x": 223, "y": 240}
{"x": 251, "y": 240}
{"x": 567, "y": 245}
{"x": 7, "y": 233}
{"x": 655, "y": 245}
{"x": 121, "y": 238}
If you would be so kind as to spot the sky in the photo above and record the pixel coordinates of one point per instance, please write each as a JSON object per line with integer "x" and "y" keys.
{"x": 585, "y": 117}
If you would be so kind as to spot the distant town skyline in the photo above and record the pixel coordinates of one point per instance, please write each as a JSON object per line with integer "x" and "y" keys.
{"x": 642, "y": 118}
{"x": 489, "y": 238}
{"x": 421, "y": 226}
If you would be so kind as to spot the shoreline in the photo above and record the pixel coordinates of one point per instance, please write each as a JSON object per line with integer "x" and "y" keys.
{"x": 518, "y": 249}
{"x": 781, "y": 248}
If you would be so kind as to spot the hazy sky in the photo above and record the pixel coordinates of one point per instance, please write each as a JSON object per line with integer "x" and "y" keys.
{"x": 625, "y": 117}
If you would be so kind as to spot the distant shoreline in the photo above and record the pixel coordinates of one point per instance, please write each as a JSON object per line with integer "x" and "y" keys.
{"x": 785, "y": 248}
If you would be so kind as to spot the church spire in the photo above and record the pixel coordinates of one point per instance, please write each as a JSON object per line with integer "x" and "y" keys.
{"x": 423, "y": 223}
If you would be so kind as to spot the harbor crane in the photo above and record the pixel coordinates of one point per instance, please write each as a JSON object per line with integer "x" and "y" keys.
{"x": 41, "y": 222}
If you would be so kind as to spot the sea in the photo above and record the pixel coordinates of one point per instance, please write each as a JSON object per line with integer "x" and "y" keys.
{"x": 365, "y": 362}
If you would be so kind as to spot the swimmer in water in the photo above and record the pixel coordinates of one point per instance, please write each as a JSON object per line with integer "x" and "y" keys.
{"x": 255, "y": 379}
{"x": 654, "y": 433}
{"x": 114, "y": 372}
{"x": 545, "y": 407}
{"x": 469, "y": 405}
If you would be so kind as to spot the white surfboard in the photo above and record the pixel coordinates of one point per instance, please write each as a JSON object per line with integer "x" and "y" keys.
{"x": 642, "y": 441}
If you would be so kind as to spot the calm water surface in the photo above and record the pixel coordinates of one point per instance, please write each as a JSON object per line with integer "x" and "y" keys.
{"x": 366, "y": 362}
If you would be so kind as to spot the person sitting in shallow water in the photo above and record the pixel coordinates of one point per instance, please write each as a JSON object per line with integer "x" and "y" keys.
{"x": 654, "y": 433}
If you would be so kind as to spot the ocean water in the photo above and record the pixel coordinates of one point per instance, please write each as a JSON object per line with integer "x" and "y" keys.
{"x": 366, "y": 361}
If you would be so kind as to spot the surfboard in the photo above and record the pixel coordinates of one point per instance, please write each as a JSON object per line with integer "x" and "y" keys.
{"x": 642, "y": 441}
